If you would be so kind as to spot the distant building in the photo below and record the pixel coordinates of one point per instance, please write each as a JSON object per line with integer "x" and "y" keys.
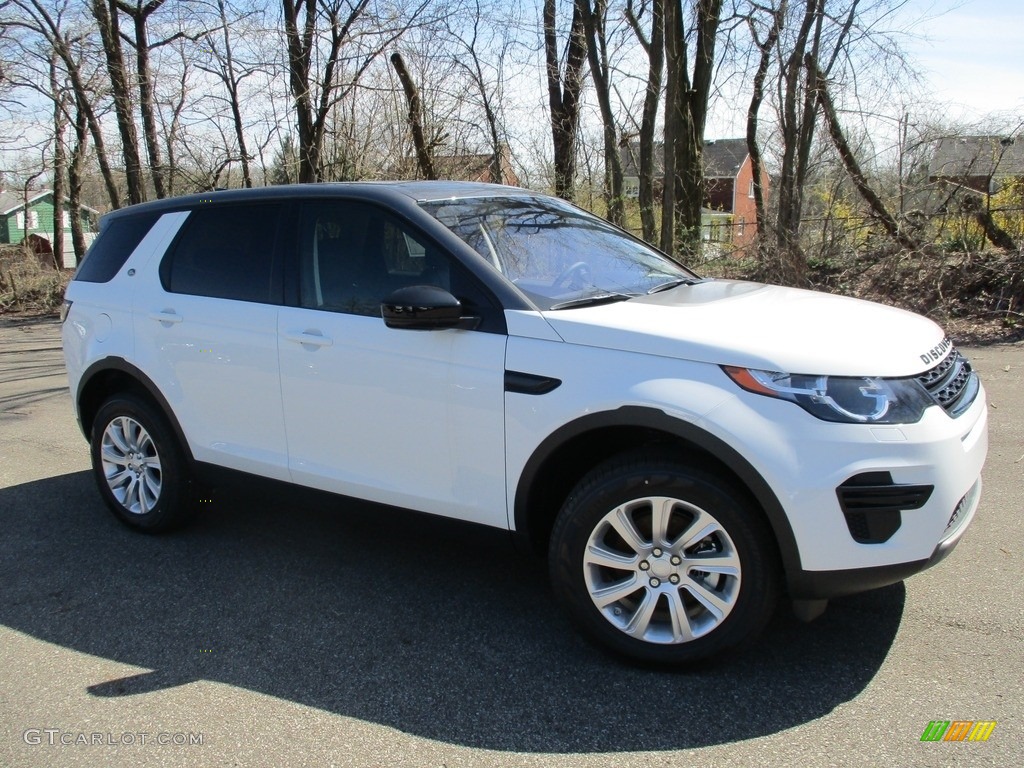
{"x": 981, "y": 164}
{"x": 728, "y": 214}
{"x": 463, "y": 167}
{"x": 36, "y": 222}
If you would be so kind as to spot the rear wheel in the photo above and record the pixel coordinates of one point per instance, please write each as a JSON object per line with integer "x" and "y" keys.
{"x": 140, "y": 468}
{"x": 662, "y": 562}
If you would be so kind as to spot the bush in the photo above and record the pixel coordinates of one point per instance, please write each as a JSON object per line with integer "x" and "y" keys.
{"x": 27, "y": 287}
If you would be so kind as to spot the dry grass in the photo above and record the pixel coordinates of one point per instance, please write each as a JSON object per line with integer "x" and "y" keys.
{"x": 27, "y": 287}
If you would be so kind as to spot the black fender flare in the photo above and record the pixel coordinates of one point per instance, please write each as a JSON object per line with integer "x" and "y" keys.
{"x": 121, "y": 365}
{"x": 659, "y": 421}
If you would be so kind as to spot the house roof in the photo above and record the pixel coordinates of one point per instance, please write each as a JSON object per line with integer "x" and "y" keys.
{"x": 12, "y": 200}
{"x": 723, "y": 158}
{"x": 958, "y": 157}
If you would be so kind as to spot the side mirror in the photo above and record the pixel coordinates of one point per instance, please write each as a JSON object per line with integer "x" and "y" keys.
{"x": 424, "y": 308}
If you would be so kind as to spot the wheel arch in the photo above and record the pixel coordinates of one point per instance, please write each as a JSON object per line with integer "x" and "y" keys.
{"x": 114, "y": 374}
{"x": 562, "y": 459}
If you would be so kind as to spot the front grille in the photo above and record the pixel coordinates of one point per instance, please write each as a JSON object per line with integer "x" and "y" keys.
{"x": 963, "y": 508}
{"x": 952, "y": 383}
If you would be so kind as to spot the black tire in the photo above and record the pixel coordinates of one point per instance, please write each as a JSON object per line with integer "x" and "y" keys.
{"x": 139, "y": 466}
{"x": 656, "y": 605}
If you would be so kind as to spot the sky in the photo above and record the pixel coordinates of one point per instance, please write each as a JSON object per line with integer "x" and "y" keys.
{"x": 971, "y": 53}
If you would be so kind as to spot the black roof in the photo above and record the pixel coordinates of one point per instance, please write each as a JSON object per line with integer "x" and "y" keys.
{"x": 380, "y": 191}
{"x": 723, "y": 158}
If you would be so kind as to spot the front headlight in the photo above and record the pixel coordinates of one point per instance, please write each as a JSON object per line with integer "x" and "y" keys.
{"x": 846, "y": 399}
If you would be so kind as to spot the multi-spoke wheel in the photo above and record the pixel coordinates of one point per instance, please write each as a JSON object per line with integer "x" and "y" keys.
{"x": 662, "y": 562}
{"x": 138, "y": 465}
{"x": 131, "y": 465}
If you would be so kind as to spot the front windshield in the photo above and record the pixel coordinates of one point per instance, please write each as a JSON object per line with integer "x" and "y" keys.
{"x": 557, "y": 254}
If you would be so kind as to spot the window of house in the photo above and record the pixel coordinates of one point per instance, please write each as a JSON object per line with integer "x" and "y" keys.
{"x": 226, "y": 252}
{"x": 750, "y": 192}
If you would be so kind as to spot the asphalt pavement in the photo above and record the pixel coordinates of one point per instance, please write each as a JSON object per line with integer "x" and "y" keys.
{"x": 279, "y": 633}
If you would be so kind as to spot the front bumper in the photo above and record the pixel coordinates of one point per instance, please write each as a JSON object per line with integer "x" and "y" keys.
{"x": 928, "y": 473}
{"x": 822, "y": 585}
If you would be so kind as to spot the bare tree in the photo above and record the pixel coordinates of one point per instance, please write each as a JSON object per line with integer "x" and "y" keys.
{"x": 60, "y": 122}
{"x": 314, "y": 80}
{"x": 850, "y": 162}
{"x": 594, "y": 23}
{"x": 232, "y": 71}
{"x": 140, "y": 12}
{"x": 654, "y": 46}
{"x": 412, "y": 94}
{"x": 106, "y": 14}
{"x": 765, "y": 48}
{"x": 36, "y": 18}
{"x": 565, "y": 85}
{"x": 482, "y": 44}
{"x": 686, "y": 109}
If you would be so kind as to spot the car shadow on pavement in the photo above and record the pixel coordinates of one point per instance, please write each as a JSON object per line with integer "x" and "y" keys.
{"x": 438, "y": 629}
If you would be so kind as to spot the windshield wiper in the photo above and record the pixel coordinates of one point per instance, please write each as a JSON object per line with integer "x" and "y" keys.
{"x": 590, "y": 301}
{"x": 674, "y": 284}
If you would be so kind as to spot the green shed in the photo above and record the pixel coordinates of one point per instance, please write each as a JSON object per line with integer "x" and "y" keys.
{"x": 37, "y": 222}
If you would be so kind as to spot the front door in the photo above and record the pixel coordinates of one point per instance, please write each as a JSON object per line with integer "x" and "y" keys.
{"x": 403, "y": 417}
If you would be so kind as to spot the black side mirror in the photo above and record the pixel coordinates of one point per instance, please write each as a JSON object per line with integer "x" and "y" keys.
{"x": 424, "y": 308}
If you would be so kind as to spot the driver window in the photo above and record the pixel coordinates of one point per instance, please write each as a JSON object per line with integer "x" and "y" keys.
{"x": 354, "y": 255}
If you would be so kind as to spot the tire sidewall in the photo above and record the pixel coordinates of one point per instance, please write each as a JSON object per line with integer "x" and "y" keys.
{"x": 609, "y": 487}
{"x": 170, "y": 509}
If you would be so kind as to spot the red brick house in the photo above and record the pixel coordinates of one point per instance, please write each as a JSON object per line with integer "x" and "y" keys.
{"x": 729, "y": 216}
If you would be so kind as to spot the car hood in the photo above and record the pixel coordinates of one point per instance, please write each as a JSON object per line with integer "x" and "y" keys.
{"x": 728, "y": 322}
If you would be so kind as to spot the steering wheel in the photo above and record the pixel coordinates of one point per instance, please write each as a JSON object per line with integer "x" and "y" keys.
{"x": 571, "y": 275}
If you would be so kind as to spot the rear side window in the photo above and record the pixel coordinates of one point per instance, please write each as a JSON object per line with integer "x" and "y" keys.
{"x": 113, "y": 246}
{"x": 226, "y": 252}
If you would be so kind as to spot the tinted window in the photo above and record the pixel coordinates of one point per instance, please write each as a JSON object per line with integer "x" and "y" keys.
{"x": 114, "y": 245}
{"x": 226, "y": 252}
{"x": 354, "y": 255}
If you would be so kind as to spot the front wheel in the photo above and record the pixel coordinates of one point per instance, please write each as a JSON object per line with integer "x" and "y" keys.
{"x": 139, "y": 466}
{"x": 662, "y": 562}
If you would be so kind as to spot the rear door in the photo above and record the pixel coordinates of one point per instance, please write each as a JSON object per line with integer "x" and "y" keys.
{"x": 206, "y": 333}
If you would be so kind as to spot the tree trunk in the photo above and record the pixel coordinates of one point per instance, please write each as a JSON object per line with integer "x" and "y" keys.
{"x": 655, "y": 48}
{"x": 766, "y": 47}
{"x": 597, "y": 53}
{"x": 231, "y": 81}
{"x": 140, "y": 16}
{"x": 55, "y": 38}
{"x": 686, "y": 116}
{"x": 75, "y": 180}
{"x": 850, "y": 162}
{"x": 107, "y": 19}
{"x": 412, "y": 96}
{"x": 564, "y": 95}
{"x": 59, "y": 165}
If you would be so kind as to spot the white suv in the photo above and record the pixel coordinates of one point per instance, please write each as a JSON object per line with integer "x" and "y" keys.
{"x": 684, "y": 449}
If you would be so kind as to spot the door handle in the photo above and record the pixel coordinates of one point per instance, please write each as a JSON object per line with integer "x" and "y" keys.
{"x": 313, "y": 338}
{"x": 166, "y": 316}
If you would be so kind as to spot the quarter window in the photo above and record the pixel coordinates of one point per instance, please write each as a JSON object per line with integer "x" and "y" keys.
{"x": 117, "y": 239}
